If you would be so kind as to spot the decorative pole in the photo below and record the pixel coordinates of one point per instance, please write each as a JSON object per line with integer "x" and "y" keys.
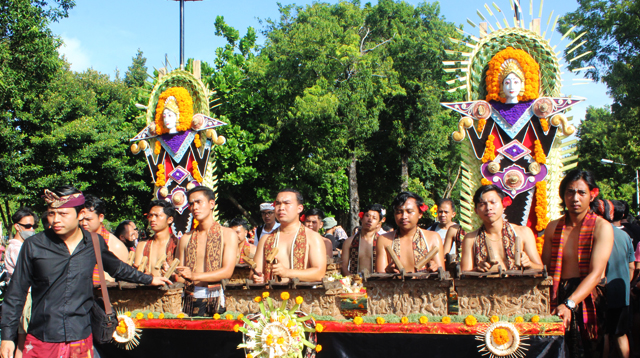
{"x": 182, "y": 32}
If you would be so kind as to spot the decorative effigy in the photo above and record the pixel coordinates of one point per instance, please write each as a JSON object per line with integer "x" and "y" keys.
{"x": 513, "y": 123}
{"x": 178, "y": 140}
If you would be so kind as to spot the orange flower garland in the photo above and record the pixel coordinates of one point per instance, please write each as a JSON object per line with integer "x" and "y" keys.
{"x": 470, "y": 320}
{"x": 481, "y": 124}
{"x": 544, "y": 123}
{"x": 196, "y": 172}
{"x": 519, "y": 319}
{"x": 161, "y": 179}
{"x": 541, "y": 205}
{"x": 538, "y": 153}
{"x": 531, "y": 74}
{"x": 539, "y": 244}
{"x": 485, "y": 181}
{"x": 424, "y": 320}
{"x": 196, "y": 141}
{"x": 500, "y": 336}
{"x": 494, "y": 319}
{"x": 157, "y": 148}
{"x": 358, "y": 320}
{"x": 490, "y": 150}
{"x": 185, "y": 105}
{"x": 380, "y": 320}
{"x": 404, "y": 320}
{"x": 535, "y": 319}
{"x": 446, "y": 319}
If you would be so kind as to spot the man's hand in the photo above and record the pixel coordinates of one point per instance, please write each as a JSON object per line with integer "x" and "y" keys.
{"x": 258, "y": 277}
{"x": 564, "y": 313}
{"x": 185, "y": 272}
{"x": 391, "y": 268}
{"x": 524, "y": 260}
{"x": 432, "y": 266}
{"x": 279, "y": 270}
{"x": 484, "y": 266}
{"x": 159, "y": 281}
{"x": 7, "y": 348}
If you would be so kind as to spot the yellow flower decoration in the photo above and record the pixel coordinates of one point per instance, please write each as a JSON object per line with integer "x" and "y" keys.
{"x": 161, "y": 316}
{"x": 258, "y": 299}
{"x": 535, "y": 319}
{"x": 494, "y": 319}
{"x": 269, "y": 340}
{"x": 318, "y": 348}
{"x": 240, "y": 316}
{"x": 128, "y": 314}
{"x": 530, "y": 67}
{"x": 228, "y": 317}
{"x": 216, "y": 316}
{"x": 157, "y": 148}
{"x": 249, "y": 355}
{"x": 197, "y": 141}
{"x": 481, "y": 124}
{"x": 236, "y": 328}
{"x": 161, "y": 178}
{"x": 540, "y": 244}
{"x": 150, "y": 315}
{"x": 139, "y": 316}
{"x": 446, "y": 319}
{"x": 434, "y": 211}
{"x": 180, "y": 315}
{"x": 489, "y": 150}
{"x": 544, "y": 123}
{"x": 357, "y": 320}
{"x": 195, "y": 172}
{"x": 538, "y": 153}
{"x": 299, "y": 300}
{"x": 519, "y": 319}
{"x": 541, "y": 206}
{"x": 319, "y": 328}
{"x": 485, "y": 181}
{"x": 380, "y": 320}
{"x": 404, "y": 320}
{"x": 424, "y": 320}
{"x": 280, "y": 340}
{"x": 265, "y": 294}
{"x": 185, "y": 106}
{"x": 470, "y": 320}
{"x": 500, "y": 336}
{"x": 284, "y": 296}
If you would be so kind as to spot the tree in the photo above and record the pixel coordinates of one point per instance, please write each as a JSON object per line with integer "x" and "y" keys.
{"x": 136, "y": 74}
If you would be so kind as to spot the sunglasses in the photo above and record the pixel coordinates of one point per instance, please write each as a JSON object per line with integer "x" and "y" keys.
{"x": 27, "y": 226}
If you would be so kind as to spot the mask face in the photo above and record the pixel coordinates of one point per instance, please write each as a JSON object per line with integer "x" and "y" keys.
{"x": 25, "y": 234}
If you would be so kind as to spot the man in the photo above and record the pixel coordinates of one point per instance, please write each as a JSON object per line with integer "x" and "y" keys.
{"x": 268, "y": 213}
{"x": 245, "y": 249}
{"x": 313, "y": 219}
{"x": 619, "y": 270}
{"x": 127, "y": 233}
{"x": 576, "y": 251}
{"x": 360, "y": 250}
{"x": 208, "y": 255}
{"x": 92, "y": 222}
{"x": 330, "y": 226}
{"x": 57, "y": 265}
{"x": 495, "y": 242}
{"x": 163, "y": 244}
{"x": 301, "y": 251}
{"x": 446, "y": 212}
{"x": 410, "y": 243}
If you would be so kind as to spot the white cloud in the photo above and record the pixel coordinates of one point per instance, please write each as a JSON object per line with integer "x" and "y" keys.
{"x": 74, "y": 53}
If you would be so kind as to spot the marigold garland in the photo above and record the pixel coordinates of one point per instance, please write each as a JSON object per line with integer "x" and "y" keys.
{"x": 150, "y": 315}
{"x": 196, "y": 141}
{"x": 185, "y": 105}
{"x": 161, "y": 179}
{"x": 181, "y": 315}
{"x": 494, "y": 319}
{"x": 535, "y": 319}
{"x": 485, "y": 181}
{"x": 490, "y": 150}
{"x": 446, "y": 319}
{"x": 404, "y": 320}
{"x": 500, "y": 336}
{"x": 538, "y": 153}
{"x": 196, "y": 172}
{"x": 544, "y": 123}
{"x": 216, "y": 316}
{"x": 319, "y": 328}
{"x": 531, "y": 73}
{"x": 481, "y": 123}
{"x": 380, "y": 320}
{"x": 470, "y": 320}
{"x": 541, "y": 206}
{"x": 161, "y": 316}
{"x": 157, "y": 148}
{"x": 540, "y": 244}
{"x": 318, "y": 348}
{"x": 424, "y": 320}
{"x": 139, "y": 316}
{"x": 357, "y": 320}
{"x": 519, "y": 319}
{"x": 236, "y": 328}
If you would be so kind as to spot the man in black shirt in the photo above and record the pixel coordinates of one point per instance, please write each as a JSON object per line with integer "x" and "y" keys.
{"x": 58, "y": 265}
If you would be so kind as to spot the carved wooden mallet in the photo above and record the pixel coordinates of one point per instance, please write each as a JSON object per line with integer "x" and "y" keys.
{"x": 160, "y": 261}
{"x": 172, "y": 268}
{"x": 143, "y": 263}
{"x": 430, "y": 255}
{"x": 131, "y": 258}
{"x": 394, "y": 257}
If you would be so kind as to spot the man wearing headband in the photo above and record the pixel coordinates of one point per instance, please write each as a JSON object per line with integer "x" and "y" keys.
{"x": 268, "y": 213}
{"x": 58, "y": 265}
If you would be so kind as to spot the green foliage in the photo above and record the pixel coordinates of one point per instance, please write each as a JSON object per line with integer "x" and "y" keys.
{"x": 136, "y": 74}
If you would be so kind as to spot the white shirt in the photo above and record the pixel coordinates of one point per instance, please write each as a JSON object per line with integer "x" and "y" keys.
{"x": 265, "y": 232}
{"x": 443, "y": 235}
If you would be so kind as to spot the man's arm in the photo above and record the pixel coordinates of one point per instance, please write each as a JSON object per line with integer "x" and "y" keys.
{"x": 448, "y": 239}
{"x": 548, "y": 241}
{"x": 434, "y": 239}
{"x": 16, "y": 295}
{"x": 532, "y": 259}
{"x": 317, "y": 265}
{"x": 467, "y": 252}
{"x": 345, "y": 256}
{"x": 139, "y": 253}
{"x": 230, "y": 252}
{"x": 117, "y": 247}
{"x": 382, "y": 258}
{"x": 259, "y": 260}
{"x": 120, "y": 270}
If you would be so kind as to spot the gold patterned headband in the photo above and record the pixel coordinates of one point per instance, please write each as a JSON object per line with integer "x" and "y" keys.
{"x": 67, "y": 201}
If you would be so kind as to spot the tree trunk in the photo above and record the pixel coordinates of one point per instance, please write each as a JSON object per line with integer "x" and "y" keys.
{"x": 450, "y": 184}
{"x": 404, "y": 172}
{"x": 354, "y": 198}
{"x": 244, "y": 212}
{"x": 5, "y": 222}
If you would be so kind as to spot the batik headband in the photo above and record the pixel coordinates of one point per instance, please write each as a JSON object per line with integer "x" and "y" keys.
{"x": 67, "y": 201}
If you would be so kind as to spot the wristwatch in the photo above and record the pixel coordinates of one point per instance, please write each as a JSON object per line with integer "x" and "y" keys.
{"x": 570, "y": 304}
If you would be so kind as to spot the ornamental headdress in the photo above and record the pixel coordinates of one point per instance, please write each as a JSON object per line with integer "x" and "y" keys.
{"x": 60, "y": 202}
{"x": 521, "y": 64}
{"x": 178, "y": 100}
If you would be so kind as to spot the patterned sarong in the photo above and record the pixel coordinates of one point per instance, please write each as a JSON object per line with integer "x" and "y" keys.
{"x": 35, "y": 348}
{"x": 354, "y": 253}
{"x": 298, "y": 257}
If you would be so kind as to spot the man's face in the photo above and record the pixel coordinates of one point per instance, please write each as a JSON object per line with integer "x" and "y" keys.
{"x": 200, "y": 206}
{"x": 64, "y": 221}
{"x": 445, "y": 213}
{"x": 490, "y": 208}
{"x": 371, "y": 220}
{"x": 91, "y": 221}
{"x": 577, "y": 196}
{"x": 407, "y": 215}
{"x": 158, "y": 220}
{"x": 240, "y": 230}
{"x": 268, "y": 217}
{"x": 27, "y": 223}
{"x": 287, "y": 207}
{"x": 313, "y": 222}
{"x": 131, "y": 232}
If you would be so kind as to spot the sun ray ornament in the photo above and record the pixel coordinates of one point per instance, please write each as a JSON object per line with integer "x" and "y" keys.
{"x": 502, "y": 339}
{"x": 126, "y": 335}
{"x": 512, "y": 78}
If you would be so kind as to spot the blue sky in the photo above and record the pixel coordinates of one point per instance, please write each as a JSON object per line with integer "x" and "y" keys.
{"x": 105, "y": 35}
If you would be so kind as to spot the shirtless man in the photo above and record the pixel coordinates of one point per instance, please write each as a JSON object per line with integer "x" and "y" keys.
{"x": 576, "y": 251}
{"x": 163, "y": 243}
{"x": 446, "y": 213}
{"x": 497, "y": 236}
{"x": 208, "y": 255}
{"x": 301, "y": 251}
{"x": 313, "y": 219}
{"x": 359, "y": 249}
{"x": 245, "y": 249}
{"x": 409, "y": 242}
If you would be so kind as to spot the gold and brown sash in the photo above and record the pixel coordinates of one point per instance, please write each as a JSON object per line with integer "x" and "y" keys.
{"x": 212, "y": 253}
{"x": 354, "y": 254}
{"x": 419, "y": 245}
{"x": 298, "y": 251}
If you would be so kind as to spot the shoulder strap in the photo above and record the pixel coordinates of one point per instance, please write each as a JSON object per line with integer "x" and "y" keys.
{"x": 103, "y": 284}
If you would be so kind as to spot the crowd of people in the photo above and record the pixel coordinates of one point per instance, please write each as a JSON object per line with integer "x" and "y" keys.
{"x": 589, "y": 253}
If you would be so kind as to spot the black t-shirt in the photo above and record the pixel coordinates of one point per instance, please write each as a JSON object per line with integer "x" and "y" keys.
{"x": 633, "y": 229}
{"x": 334, "y": 241}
